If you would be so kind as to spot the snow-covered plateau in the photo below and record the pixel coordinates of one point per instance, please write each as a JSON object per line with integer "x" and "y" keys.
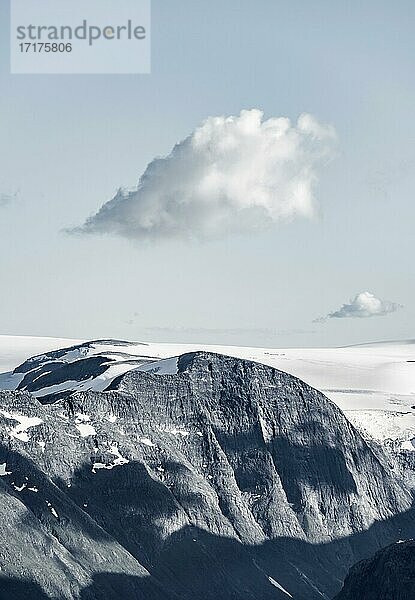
{"x": 374, "y": 384}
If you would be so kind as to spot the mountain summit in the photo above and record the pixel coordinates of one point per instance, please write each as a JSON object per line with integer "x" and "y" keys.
{"x": 199, "y": 477}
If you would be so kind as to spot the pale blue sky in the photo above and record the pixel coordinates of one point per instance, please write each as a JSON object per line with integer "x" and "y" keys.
{"x": 68, "y": 142}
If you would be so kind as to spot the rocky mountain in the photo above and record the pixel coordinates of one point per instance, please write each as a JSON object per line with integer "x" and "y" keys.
{"x": 388, "y": 575}
{"x": 373, "y": 384}
{"x": 200, "y": 477}
{"x": 87, "y": 366}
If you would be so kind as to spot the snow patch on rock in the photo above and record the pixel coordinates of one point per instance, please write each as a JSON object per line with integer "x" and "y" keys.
{"x": 278, "y": 586}
{"x": 147, "y": 442}
{"x": 3, "y": 471}
{"x": 118, "y": 461}
{"x": 83, "y": 426}
{"x": 24, "y": 423}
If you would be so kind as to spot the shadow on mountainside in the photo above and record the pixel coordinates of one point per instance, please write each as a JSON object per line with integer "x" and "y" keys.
{"x": 20, "y": 589}
{"x": 218, "y": 568}
{"x": 130, "y": 506}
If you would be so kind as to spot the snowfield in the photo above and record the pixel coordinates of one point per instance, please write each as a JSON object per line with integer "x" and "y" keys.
{"x": 15, "y": 349}
{"x": 374, "y": 384}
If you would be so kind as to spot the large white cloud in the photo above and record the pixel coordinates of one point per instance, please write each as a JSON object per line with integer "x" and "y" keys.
{"x": 232, "y": 174}
{"x": 362, "y": 306}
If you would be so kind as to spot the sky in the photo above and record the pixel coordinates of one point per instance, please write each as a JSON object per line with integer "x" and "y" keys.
{"x": 253, "y": 254}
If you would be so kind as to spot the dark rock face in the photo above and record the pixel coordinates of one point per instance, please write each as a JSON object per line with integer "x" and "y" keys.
{"x": 60, "y": 373}
{"x": 388, "y": 575}
{"x": 55, "y": 373}
{"x": 225, "y": 480}
{"x": 79, "y": 350}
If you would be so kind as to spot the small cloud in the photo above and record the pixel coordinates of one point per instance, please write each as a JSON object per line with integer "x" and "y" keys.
{"x": 231, "y": 175}
{"x": 362, "y": 306}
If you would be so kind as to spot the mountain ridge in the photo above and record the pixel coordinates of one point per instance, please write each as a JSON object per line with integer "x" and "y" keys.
{"x": 213, "y": 465}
